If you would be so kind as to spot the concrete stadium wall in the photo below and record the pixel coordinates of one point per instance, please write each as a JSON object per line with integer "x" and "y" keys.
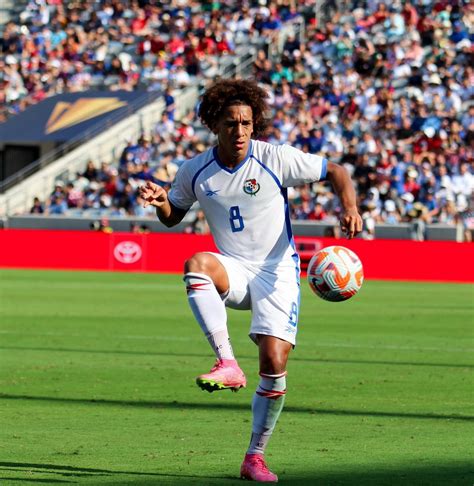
{"x": 71, "y": 224}
{"x": 435, "y": 232}
{"x": 302, "y": 228}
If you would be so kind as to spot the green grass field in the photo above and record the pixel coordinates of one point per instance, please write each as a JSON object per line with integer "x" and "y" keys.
{"x": 97, "y": 386}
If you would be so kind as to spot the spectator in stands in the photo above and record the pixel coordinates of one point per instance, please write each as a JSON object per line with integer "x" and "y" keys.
{"x": 418, "y": 217}
{"x": 166, "y": 170}
{"x": 169, "y": 103}
{"x": 102, "y": 225}
{"x": 57, "y": 204}
{"x": 463, "y": 182}
{"x": 368, "y": 220}
{"x": 199, "y": 225}
{"x": 90, "y": 172}
{"x": 318, "y": 213}
{"x": 37, "y": 207}
{"x": 79, "y": 46}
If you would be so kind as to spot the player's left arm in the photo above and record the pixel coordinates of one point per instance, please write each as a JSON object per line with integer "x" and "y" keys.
{"x": 350, "y": 220}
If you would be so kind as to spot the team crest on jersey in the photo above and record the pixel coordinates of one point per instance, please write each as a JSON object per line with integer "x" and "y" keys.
{"x": 251, "y": 187}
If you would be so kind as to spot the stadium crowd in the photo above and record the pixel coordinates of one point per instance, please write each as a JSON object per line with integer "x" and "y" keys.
{"x": 55, "y": 46}
{"x": 385, "y": 89}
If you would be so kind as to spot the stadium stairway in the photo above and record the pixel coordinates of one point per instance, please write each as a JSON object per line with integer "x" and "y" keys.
{"x": 104, "y": 147}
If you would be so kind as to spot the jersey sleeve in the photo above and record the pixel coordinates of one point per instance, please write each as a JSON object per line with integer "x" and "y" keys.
{"x": 297, "y": 167}
{"x": 181, "y": 194}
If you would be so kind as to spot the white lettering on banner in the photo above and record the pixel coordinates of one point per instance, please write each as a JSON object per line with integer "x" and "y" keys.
{"x": 127, "y": 252}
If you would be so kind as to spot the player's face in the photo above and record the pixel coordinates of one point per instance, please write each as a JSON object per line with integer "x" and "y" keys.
{"x": 234, "y": 129}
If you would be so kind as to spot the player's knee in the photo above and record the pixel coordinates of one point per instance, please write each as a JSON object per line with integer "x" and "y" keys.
{"x": 198, "y": 263}
{"x": 273, "y": 354}
{"x": 273, "y": 364}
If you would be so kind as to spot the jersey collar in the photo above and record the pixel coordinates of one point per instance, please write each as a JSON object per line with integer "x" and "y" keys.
{"x": 237, "y": 167}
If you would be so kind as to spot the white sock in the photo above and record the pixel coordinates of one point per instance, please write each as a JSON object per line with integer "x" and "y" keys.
{"x": 267, "y": 405}
{"x": 220, "y": 343}
{"x": 209, "y": 310}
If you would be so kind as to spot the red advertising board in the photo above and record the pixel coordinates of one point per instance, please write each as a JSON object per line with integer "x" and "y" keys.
{"x": 166, "y": 252}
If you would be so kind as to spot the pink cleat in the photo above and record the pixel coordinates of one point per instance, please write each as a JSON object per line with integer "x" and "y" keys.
{"x": 225, "y": 374}
{"x": 254, "y": 469}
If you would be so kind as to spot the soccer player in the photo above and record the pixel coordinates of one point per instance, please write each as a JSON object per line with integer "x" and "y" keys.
{"x": 241, "y": 185}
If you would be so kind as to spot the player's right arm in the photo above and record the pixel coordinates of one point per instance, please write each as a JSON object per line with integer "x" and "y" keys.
{"x": 155, "y": 195}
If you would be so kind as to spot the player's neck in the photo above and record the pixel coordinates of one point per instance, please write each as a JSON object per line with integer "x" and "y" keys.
{"x": 231, "y": 159}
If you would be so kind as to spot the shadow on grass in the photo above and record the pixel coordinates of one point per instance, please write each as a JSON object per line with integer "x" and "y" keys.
{"x": 429, "y": 475}
{"x": 234, "y": 406}
{"x": 99, "y": 475}
{"x": 241, "y": 357}
{"x": 460, "y": 474}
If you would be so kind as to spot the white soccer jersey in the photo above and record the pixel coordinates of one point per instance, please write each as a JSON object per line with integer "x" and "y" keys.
{"x": 247, "y": 206}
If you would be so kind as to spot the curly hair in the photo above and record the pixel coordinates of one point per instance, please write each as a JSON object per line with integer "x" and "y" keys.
{"x": 228, "y": 92}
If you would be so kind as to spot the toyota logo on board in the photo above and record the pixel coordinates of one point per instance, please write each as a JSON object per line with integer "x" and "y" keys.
{"x": 127, "y": 252}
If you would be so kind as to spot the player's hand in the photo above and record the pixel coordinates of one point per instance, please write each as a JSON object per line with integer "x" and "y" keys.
{"x": 153, "y": 195}
{"x": 351, "y": 223}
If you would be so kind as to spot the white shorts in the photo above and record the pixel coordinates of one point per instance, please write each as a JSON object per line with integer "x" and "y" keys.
{"x": 273, "y": 297}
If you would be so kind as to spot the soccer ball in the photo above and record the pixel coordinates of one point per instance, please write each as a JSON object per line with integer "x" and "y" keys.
{"x": 335, "y": 273}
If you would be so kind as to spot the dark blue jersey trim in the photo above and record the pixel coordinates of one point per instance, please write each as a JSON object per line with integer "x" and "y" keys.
{"x": 324, "y": 169}
{"x": 275, "y": 178}
{"x": 289, "y": 231}
{"x": 284, "y": 192}
{"x": 197, "y": 174}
